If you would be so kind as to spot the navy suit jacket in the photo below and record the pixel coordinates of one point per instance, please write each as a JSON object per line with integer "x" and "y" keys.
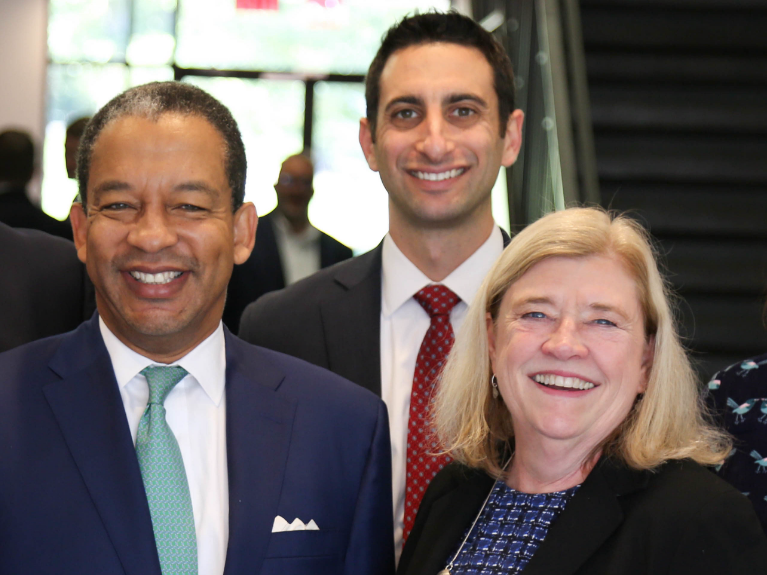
{"x": 263, "y": 271}
{"x": 301, "y": 443}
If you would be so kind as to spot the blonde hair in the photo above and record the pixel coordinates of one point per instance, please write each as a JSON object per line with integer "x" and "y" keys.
{"x": 668, "y": 422}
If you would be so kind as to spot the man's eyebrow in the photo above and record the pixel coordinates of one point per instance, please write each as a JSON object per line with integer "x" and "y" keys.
{"x": 195, "y": 186}
{"x": 191, "y": 186}
{"x": 111, "y": 186}
{"x": 404, "y": 100}
{"x": 456, "y": 98}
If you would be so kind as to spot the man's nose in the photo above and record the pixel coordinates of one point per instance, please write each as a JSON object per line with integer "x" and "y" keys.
{"x": 436, "y": 140}
{"x": 153, "y": 230}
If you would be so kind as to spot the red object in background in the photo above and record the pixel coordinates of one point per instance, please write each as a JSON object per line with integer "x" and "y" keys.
{"x": 258, "y": 4}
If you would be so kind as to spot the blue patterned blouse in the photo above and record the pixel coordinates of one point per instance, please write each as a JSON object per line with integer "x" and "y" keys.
{"x": 738, "y": 395}
{"x": 509, "y": 531}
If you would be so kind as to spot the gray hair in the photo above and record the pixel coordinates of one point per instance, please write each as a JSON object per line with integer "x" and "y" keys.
{"x": 155, "y": 99}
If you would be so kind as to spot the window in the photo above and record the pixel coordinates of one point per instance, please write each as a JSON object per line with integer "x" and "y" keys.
{"x": 292, "y": 78}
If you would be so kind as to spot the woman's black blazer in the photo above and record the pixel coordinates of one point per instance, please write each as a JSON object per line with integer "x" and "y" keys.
{"x": 680, "y": 519}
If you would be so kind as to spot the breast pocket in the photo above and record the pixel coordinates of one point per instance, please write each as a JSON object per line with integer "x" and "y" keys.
{"x": 304, "y": 553}
{"x": 305, "y": 544}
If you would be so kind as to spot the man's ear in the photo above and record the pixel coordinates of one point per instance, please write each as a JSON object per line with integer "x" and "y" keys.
{"x": 245, "y": 223}
{"x": 366, "y": 142}
{"x": 512, "y": 141}
{"x": 79, "y": 221}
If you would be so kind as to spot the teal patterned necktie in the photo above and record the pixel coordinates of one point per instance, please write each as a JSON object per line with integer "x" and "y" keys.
{"x": 162, "y": 469}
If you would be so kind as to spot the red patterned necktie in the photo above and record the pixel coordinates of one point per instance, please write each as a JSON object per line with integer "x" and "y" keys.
{"x": 421, "y": 467}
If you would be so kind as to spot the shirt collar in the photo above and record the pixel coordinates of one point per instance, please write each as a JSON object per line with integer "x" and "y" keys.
{"x": 402, "y": 279}
{"x": 206, "y": 363}
{"x": 309, "y": 235}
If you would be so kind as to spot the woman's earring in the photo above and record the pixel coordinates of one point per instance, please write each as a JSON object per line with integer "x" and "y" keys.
{"x": 494, "y": 383}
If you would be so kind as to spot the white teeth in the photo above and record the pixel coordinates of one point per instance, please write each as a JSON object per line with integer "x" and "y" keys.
{"x": 551, "y": 380}
{"x": 159, "y": 278}
{"x": 432, "y": 177}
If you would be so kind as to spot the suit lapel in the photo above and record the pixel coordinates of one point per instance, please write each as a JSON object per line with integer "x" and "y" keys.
{"x": 448, "y": 518}
{"x": 89, "y": 410}
{"x": 591, "y": 516}
{"x": 258, "y": 428}
{"x": 352, "y": 322}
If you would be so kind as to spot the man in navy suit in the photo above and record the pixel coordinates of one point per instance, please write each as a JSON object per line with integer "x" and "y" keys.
{"x": 245, "y": 460}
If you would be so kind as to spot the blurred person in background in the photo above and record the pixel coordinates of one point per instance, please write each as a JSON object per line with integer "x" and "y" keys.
{"x": 72, "y": 142}
{"x": 17, "y": 166}
{"x": 43, "y": 288}
{"x": 738, "y": 396}
{"x": 288, "y": 247}
{"x": 576, "y": 424}
{"x": 440, "y": 124}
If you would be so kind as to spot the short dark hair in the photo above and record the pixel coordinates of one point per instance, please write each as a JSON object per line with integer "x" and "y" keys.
{"x": 76, "y": 128}
{"x": 17, "y": 157}
{"x": 450, "y": 28}
{"x": 154, "y": 100}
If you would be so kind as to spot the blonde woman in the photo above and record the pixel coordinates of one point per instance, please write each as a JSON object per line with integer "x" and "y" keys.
{"x": 576, "y": 424}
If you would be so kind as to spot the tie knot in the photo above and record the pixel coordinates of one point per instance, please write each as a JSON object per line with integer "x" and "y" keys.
{"x": 437, "y": 299}
{"x": 161, "y": 380}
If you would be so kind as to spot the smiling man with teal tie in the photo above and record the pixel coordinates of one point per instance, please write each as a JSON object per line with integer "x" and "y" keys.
{"x": 150, "y": 440}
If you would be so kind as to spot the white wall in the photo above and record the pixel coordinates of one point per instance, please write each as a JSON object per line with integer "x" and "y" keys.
{"x": 23, "y": 58}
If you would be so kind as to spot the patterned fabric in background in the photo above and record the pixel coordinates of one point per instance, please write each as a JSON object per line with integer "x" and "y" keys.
{"x": 738, "y": 395}
{"x": 509, "y": 531}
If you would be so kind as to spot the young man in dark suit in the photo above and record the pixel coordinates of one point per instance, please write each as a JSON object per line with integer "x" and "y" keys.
{"x": 150, "y": 440}
{"x": 440, "y": 124}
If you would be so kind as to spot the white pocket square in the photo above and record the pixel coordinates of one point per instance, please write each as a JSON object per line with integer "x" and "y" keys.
{"x": 281, "y": 525}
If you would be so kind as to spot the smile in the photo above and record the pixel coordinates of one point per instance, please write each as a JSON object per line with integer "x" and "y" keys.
{"x": 550, "y": 380}
{"x": 155, "y": 279}
{"x": 438, "y": 177}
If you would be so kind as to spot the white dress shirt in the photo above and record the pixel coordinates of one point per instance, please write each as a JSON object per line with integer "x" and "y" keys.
{"x": 404, "y": 324}
{"x": 299, "y": 252}
{"x": 196, "y": 413}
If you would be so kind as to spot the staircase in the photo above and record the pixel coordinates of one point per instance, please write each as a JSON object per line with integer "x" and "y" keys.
{"x": 679, "y": 107}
